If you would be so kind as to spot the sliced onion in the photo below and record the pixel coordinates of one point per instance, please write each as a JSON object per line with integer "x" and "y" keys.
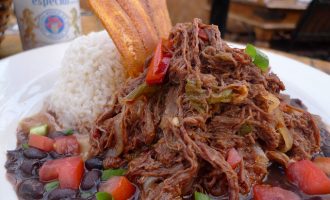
{"x": 262, "y": 158}
{"x": 292, "y": 109}
{"x": 278, "y": 157}
{"x": 149, "y": 181}
{"x": 119, "y": 137}
{"x": 287, "y": 137}
{"x": 284, "y": 131}
{"x": 84, "y": 145}
{"x": 272, "y": 101}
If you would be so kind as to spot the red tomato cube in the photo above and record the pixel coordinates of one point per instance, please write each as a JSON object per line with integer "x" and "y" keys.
{"x": 41, "y": 142}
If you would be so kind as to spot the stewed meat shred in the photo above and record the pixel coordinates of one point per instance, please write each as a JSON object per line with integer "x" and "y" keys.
{"x": 176, "y": 141}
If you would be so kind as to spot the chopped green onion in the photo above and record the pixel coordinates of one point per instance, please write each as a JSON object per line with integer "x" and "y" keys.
{"x": 25, "y": 146}
{"x": 39, "y": 130}
{"x": 106, "y": 174}
{"x": 201, "y": 196}
{"x": 51, "y": 186}
{"x": 142, "y": 89}
{"x": 258, "y": 57}
{"x": 103, "y": 196}
{"x": 68, "y": 132}
{"x": 85, "y": 195}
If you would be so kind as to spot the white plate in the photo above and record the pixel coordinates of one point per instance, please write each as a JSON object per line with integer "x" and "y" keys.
{"x": 26, "y": 79}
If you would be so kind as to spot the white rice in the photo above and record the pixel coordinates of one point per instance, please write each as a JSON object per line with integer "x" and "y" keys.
{"x": 90, "y": 74}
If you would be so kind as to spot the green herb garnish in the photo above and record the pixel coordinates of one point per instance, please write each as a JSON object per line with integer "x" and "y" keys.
{"x": 51, "y": 186}
{"x": 103, "y": 196}
{"x": 25, "y": 146}
{"x": 201, "y": 196}
{"x": 106, "y": 174}
{"x": 68, "y": 132}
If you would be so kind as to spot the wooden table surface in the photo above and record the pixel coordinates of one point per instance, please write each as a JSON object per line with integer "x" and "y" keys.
{"x": 277, "y": 4}
{"x": 12, "y": 44}
{"x": 267, "y": 19}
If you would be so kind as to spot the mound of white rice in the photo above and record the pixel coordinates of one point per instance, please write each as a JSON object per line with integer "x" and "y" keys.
{"x": 90, "y": 74}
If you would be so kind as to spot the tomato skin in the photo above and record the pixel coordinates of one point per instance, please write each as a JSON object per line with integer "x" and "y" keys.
{"x": 159, "y": 65}
{"x": 41, "y": 142}
{"x": 67, "y": 145}
{"x": 267, "y": 192}
{"x": 233, "y": 158}
{"x": 119, "y": 187}
{"x": 68, "y": 171}
{"x": 309, "y": 178}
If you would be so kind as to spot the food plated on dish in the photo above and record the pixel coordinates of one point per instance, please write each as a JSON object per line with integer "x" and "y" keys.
{"x": 195, "y": 119}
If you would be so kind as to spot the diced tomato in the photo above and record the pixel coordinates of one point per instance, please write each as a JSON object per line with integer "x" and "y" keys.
{"x": 67, "y": 145}
{"x": 68, "y": 171}
{"x": 310, "y": 179}
{"x": 203, "y": 35}
{"x": 71, "y": 172}
{"x": 119, "y": 187}
{"x": 49, "y": 170}
{"x": 267, "y": 192}
{"x": 233, "y": 158}
{"x": 323, "y": 163}
{"x": 158, "y": 66}
{"x": 41, "y": 142}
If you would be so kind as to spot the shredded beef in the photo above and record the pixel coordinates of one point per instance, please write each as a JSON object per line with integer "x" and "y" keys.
{"x": 175, "y": 141}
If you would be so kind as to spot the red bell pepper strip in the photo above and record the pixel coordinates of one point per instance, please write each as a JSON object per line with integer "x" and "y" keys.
{"x": 41, "y": 142}
{"x": 159, "y": 65}
{"x": 233, "y": 158}
{"x": 309, "y": 178}
{"x": 267, "y": 192}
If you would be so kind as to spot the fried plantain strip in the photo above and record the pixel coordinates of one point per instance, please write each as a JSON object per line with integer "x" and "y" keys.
{"x": 142, "y": 23}
{"x": 158, "y": 12}
{"x": 123, "y": 33}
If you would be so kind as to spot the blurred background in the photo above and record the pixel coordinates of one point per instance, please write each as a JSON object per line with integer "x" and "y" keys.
{"x": 299, "y": 29}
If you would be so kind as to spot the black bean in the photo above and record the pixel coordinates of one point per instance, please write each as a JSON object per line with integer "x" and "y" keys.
{"x": 12, "y": 163}
{"x": 326, "y": 150}
{"x": 55, "y": 155}
{"x": 29, "y": 166}
{"x": 22, "y": 138}
{"x": 34, "y": 153}
{"x": 56, "y": 134}
{"x": 58, "y": 194}
{"x": 94, "y": 163}
{"x": 90, "y": 179}
{"x": 31, "y": 189}
{"x": 315, "y": 198}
